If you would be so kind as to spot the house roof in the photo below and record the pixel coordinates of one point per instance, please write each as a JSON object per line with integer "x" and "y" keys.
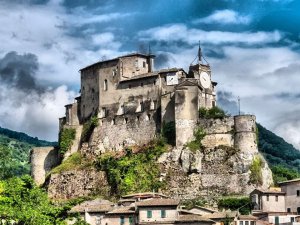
{"x": 117, "y": 58}
{"x": 157, "y": 202}
{"x": 144, "y": 194}
{"x": 247, "y": 217}
{"x": 289, "y": 181}
{"x": 204, "y": 209}
{"x": 141, "y": 76}
{"x": 170, "y": 70}
{"x": 269, "y": 191}
{"x": 221, "y": 215}
{"x": 122, "y": 210}
{"x": 193, "y": 218}
{"x": 97, "y": 205}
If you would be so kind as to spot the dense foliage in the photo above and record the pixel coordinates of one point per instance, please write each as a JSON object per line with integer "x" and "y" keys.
{"x": 256, "y": 171}
{"x": 14, "y": 152}
{"x": 88, "y": 128}
{"x": 277, "y": 151}
{"x": 169, "y": 133}
{"x": 195, "y": 145}
{"x": 66, "y": 138}
{"x": 191, "y": 203}
{"x": 281, "y": 173}
{"x": 212, "y": 113}
{"x": 137, "y": 172}
{"x": 242, "y": 204}
{"x": 22, "y": 202}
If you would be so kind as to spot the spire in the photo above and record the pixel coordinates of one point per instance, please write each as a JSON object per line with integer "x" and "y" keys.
{"x": 149, "y": 50}
{"x": 199, "y": 54}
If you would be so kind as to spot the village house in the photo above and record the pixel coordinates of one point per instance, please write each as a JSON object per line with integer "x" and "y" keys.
{"x": 278, "y": 205}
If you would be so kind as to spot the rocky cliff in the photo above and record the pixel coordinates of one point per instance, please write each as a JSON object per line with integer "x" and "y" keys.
{"x": 226, "y": 161}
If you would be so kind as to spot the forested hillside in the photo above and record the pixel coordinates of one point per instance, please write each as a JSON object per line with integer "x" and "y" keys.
{"x": 14, "y": 152}
{"x": 283, "y": 158}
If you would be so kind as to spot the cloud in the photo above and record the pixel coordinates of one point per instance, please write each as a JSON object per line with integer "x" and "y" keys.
{"x": 180, "y": 32}
{"x": 227, "y": 102}
{"x": 25, "y": 104}
{"x": 224, "y": 17}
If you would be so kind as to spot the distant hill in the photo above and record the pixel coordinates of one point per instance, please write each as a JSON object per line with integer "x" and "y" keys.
{"x": 14, "y": 152}
{"x": 283, "y": 157}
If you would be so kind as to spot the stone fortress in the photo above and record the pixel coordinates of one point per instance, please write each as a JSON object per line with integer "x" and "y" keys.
{"x": 132, "y": 102}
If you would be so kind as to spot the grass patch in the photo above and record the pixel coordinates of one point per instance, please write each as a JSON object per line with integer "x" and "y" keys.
{"x": 73, "y": 162}
{"x": 212, "y": 113}
{"x": 256, "y": 171}
{"x": 137, "y": 172}
{"x": 195, "y": 145}
{"x": 66, "y": 138}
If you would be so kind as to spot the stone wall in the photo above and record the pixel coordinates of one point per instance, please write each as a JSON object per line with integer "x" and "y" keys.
{"x": 77, "y": 183}
{"x": 113, "y": 134}
{"x": 43, "y": 159}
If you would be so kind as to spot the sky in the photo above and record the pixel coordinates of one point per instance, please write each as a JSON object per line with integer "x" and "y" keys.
{"x": 252, "y": 46}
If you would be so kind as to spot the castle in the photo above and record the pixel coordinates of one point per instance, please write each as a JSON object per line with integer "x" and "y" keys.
{"x": 132, "y": 101}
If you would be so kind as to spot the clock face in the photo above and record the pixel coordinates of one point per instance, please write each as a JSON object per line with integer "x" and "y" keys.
{"x": 205, "y": 79}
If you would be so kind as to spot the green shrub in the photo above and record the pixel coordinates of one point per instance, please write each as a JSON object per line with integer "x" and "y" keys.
{"x": 133, "y": 172}
{"x": 195, "y": 145}
{"x": 212, "y": 113}
{"x": 191, "y": 203}
{"x": 169, "y": 132}
{"x": 241, "y": 203}
{"x": 255, "y": 171}
{"x": 88, "y": 128}
{"x": 66, "y": 138}
{"x": 73, "y": 162}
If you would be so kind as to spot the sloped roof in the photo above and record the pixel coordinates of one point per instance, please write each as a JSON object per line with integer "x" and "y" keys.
{"x": 97, "y": 205}
{"x": 141, "y": 76}
{"x": 193, "y": 218}
{"x": 289, "y": 181}
{"x": 221, "y": 215}
{"x": 122, "y": 210}
{"x": 247, "y": 217}
{"x": 158, "y": 202}
{"x": 113, "y": 59}
{"x": 269, "y": 191}
{"x": 144, "y": 194}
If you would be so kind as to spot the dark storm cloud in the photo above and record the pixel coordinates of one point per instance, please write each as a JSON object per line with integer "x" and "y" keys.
{"x": 19, "y": 71}
{"x": 228, "y": 102}
{"x": 161, "y": 60}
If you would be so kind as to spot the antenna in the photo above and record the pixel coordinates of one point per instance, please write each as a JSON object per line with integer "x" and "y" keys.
{"x": 149, "y": 49}
{"x": 239, "y": 105}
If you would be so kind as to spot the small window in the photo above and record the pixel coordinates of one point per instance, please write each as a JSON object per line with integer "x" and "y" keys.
{"x": 163, "y": 213}
{"x": 105, "y": 85}
{"x": 213, "y": 103}
{"x": 154, "y": 82}
{"x": 276, "y": 220}
{"x": 241, "y": 223}
{"x": 136, "y": 63}
{"x": 126, "y": 120}
{"x": 148, "y": 117}
{"x": 129, "y": 86}
{"x": 122, "y": 220}
{"x": 298, "y": 210}
{"x": 246, "y": 222}
{"x": 144, "y": 64}
{"x": 292, "y": 219}
{"x": 252, "y": 222}
{"x": 130, "y": 220}
{"x": 149, "y": 214}
{"x": 276, "y": 198}
{"x": 113, "y": 122}
{"x": 138, "y": 118}
{"x": 288, "y": 210}
{"x": 267, "y": 197}
{"x": 142, "y": 106}
{"x": 298, "y": 193}
{"x": 142, "y": 84}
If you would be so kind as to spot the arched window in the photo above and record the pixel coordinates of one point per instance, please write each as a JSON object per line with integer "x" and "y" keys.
{"x": 105, "y": 85}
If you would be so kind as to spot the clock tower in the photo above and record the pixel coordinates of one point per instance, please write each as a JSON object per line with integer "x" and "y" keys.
{"x": 201, "y": 72}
